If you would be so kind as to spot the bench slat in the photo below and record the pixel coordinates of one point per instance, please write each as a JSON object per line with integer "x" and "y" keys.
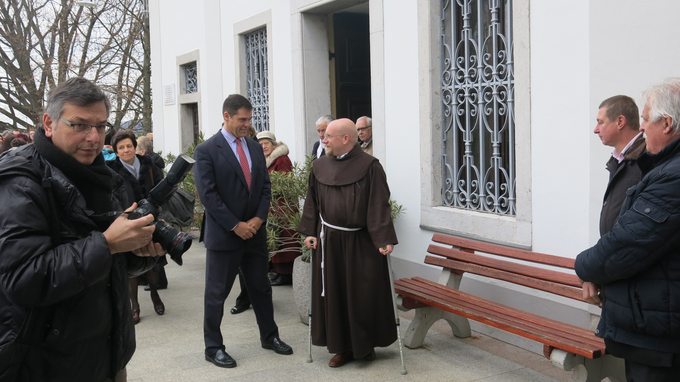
{"x": 471, "y": 300}
{"x": 483, "y": 305}
{"x": 546, "y": 336}
{"x": 535, "y": 257}
{"x": 559, "y": 289}
{"x": 504, "y": 265}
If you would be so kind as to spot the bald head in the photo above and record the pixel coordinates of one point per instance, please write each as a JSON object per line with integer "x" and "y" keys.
{"x": 341, "y": 136}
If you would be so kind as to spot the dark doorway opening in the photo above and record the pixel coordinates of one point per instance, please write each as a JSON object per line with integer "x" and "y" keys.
{"x": 352, "y": 65}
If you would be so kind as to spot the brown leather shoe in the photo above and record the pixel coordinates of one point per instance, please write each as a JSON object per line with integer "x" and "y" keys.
{"x": 340, "y": 359}
{"x": 370, "y": 356}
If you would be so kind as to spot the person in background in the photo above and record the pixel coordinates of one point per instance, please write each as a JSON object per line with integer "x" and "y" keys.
{"x": 17, "y": 142}
{"x": 276, "y": 155}
{"x": 319, "y": 148}
{"x": 107, "y": 150}
{"x": 145, "y": 147}
{"x": 365, "y": 132}
{"x": 7, "y": 143}
{"x": 140, "y": 175}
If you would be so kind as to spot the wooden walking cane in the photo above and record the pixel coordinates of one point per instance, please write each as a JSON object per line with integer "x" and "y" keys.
{"x": 396, "y": 315}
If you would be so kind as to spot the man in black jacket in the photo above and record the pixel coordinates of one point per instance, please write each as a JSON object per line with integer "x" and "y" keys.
{"x": 638, "y": 261}
{"x": 618, "y": 126}
{"x": 64, "y": 261}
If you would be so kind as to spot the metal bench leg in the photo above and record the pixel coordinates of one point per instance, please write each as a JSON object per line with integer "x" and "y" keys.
{"x": 425, "y": 318}
{"x": 607, "y": 368}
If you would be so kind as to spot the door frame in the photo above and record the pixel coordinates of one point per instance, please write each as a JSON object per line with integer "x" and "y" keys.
{"x": 311, "y": 70}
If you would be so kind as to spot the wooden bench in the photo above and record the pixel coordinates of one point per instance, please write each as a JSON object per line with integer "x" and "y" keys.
{"x": 567, "y": 346}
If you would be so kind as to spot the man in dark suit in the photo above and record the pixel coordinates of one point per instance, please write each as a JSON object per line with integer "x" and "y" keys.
{"x": 233, "y": 184}
{"x": 319, "y": 149}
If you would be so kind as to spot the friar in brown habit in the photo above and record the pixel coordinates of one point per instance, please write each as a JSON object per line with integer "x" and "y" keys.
{"x": 347, "y": 219}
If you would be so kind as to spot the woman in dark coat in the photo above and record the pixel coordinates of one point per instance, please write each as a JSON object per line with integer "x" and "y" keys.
{"x": 140, "y": 175}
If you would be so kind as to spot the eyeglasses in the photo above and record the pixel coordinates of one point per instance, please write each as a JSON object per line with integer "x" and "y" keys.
{"x": 83, "y": 128}
{"x": 363, "y": 128}
{"x": 326, "y": 136}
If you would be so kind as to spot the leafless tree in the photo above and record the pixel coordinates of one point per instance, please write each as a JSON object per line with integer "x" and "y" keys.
{"x": 44, "y": 42}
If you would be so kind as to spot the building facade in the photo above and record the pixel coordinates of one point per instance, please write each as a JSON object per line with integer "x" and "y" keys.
{"x": 483, "y": 111}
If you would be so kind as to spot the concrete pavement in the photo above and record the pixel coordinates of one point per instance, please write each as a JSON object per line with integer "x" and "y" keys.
{"x": 170, "y": 347}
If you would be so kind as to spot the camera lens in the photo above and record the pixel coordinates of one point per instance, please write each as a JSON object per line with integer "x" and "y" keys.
{"x": 172, "y": 240}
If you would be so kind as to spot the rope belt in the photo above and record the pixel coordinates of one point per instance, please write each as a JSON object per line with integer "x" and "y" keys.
{"x": 322, "y": 236}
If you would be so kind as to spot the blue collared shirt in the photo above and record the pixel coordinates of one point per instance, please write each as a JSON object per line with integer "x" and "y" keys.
{"x": 231, "y": 140}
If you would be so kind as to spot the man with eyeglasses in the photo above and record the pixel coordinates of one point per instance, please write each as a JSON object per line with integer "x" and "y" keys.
{"x": 347, "y": 219}
{"x": 319, "y": 148}
{"x": 364, "y": 130}
{"x": 64, "y": 257}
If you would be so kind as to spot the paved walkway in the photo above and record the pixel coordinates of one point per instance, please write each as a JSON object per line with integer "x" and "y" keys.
{"x": 170, "y": 347}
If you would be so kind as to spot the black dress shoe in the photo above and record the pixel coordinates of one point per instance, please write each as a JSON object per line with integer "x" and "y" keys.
{"x": 238, "y": 309}
{"x": 278, "y": 346}
{"x": 221, "y": 359}
{"x": 282, "y": 280}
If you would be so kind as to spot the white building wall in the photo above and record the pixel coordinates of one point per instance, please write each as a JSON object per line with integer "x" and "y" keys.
{"x": 632, "y": 46}
{"x": 579, "y": 55}
{"x": 402, "y": 113}
{"x": 560, "y": 126}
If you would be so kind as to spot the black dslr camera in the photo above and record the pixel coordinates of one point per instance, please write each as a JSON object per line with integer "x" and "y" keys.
{"x": 172, "y": 240}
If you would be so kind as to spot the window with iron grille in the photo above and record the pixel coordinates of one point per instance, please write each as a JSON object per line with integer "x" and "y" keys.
{"x": 257, "y": 82}
{"x": 477, "y": 99}
{"x": 190, "y": 77}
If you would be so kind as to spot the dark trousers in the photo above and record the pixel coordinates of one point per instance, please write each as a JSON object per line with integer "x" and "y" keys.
{"x": 220, "y": 271}
{"x": 243, "y": 300}
{"x": 636, "y": 372}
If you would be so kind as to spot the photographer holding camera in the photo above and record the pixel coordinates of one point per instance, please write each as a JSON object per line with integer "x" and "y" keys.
{"x": 64, "y": 256}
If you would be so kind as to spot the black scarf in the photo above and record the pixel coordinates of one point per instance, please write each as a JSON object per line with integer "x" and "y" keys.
{"x": 94, "y": 182}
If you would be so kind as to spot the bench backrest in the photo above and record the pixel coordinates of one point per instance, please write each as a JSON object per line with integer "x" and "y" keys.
{"x": 462, "y": 258}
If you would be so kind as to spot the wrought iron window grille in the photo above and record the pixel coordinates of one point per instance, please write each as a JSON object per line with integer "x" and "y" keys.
{"x": 477, "y": 98}
{"x": 190, "y": 77}
{"x": 257, "y": 81}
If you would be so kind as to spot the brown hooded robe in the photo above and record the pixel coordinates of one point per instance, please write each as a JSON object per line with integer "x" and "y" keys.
{"x": 356, "y": 313}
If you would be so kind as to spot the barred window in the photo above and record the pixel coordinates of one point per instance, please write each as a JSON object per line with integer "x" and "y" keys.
{"x": 257, "y": 82}
{"x": 477, "y": 99}
{"x": 190, "y": 77}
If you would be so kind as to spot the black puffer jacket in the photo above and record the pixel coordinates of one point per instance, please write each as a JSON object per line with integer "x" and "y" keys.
{"x": 78, "y": 287}
{"x": 638, "y": 261}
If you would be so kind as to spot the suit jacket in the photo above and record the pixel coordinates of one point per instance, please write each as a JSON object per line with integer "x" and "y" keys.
{"x": 316, "y": 147}
{"x": 224, "y": 192}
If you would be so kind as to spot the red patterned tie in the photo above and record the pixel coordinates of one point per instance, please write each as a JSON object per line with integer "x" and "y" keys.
{"x": 244, "y": 161}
